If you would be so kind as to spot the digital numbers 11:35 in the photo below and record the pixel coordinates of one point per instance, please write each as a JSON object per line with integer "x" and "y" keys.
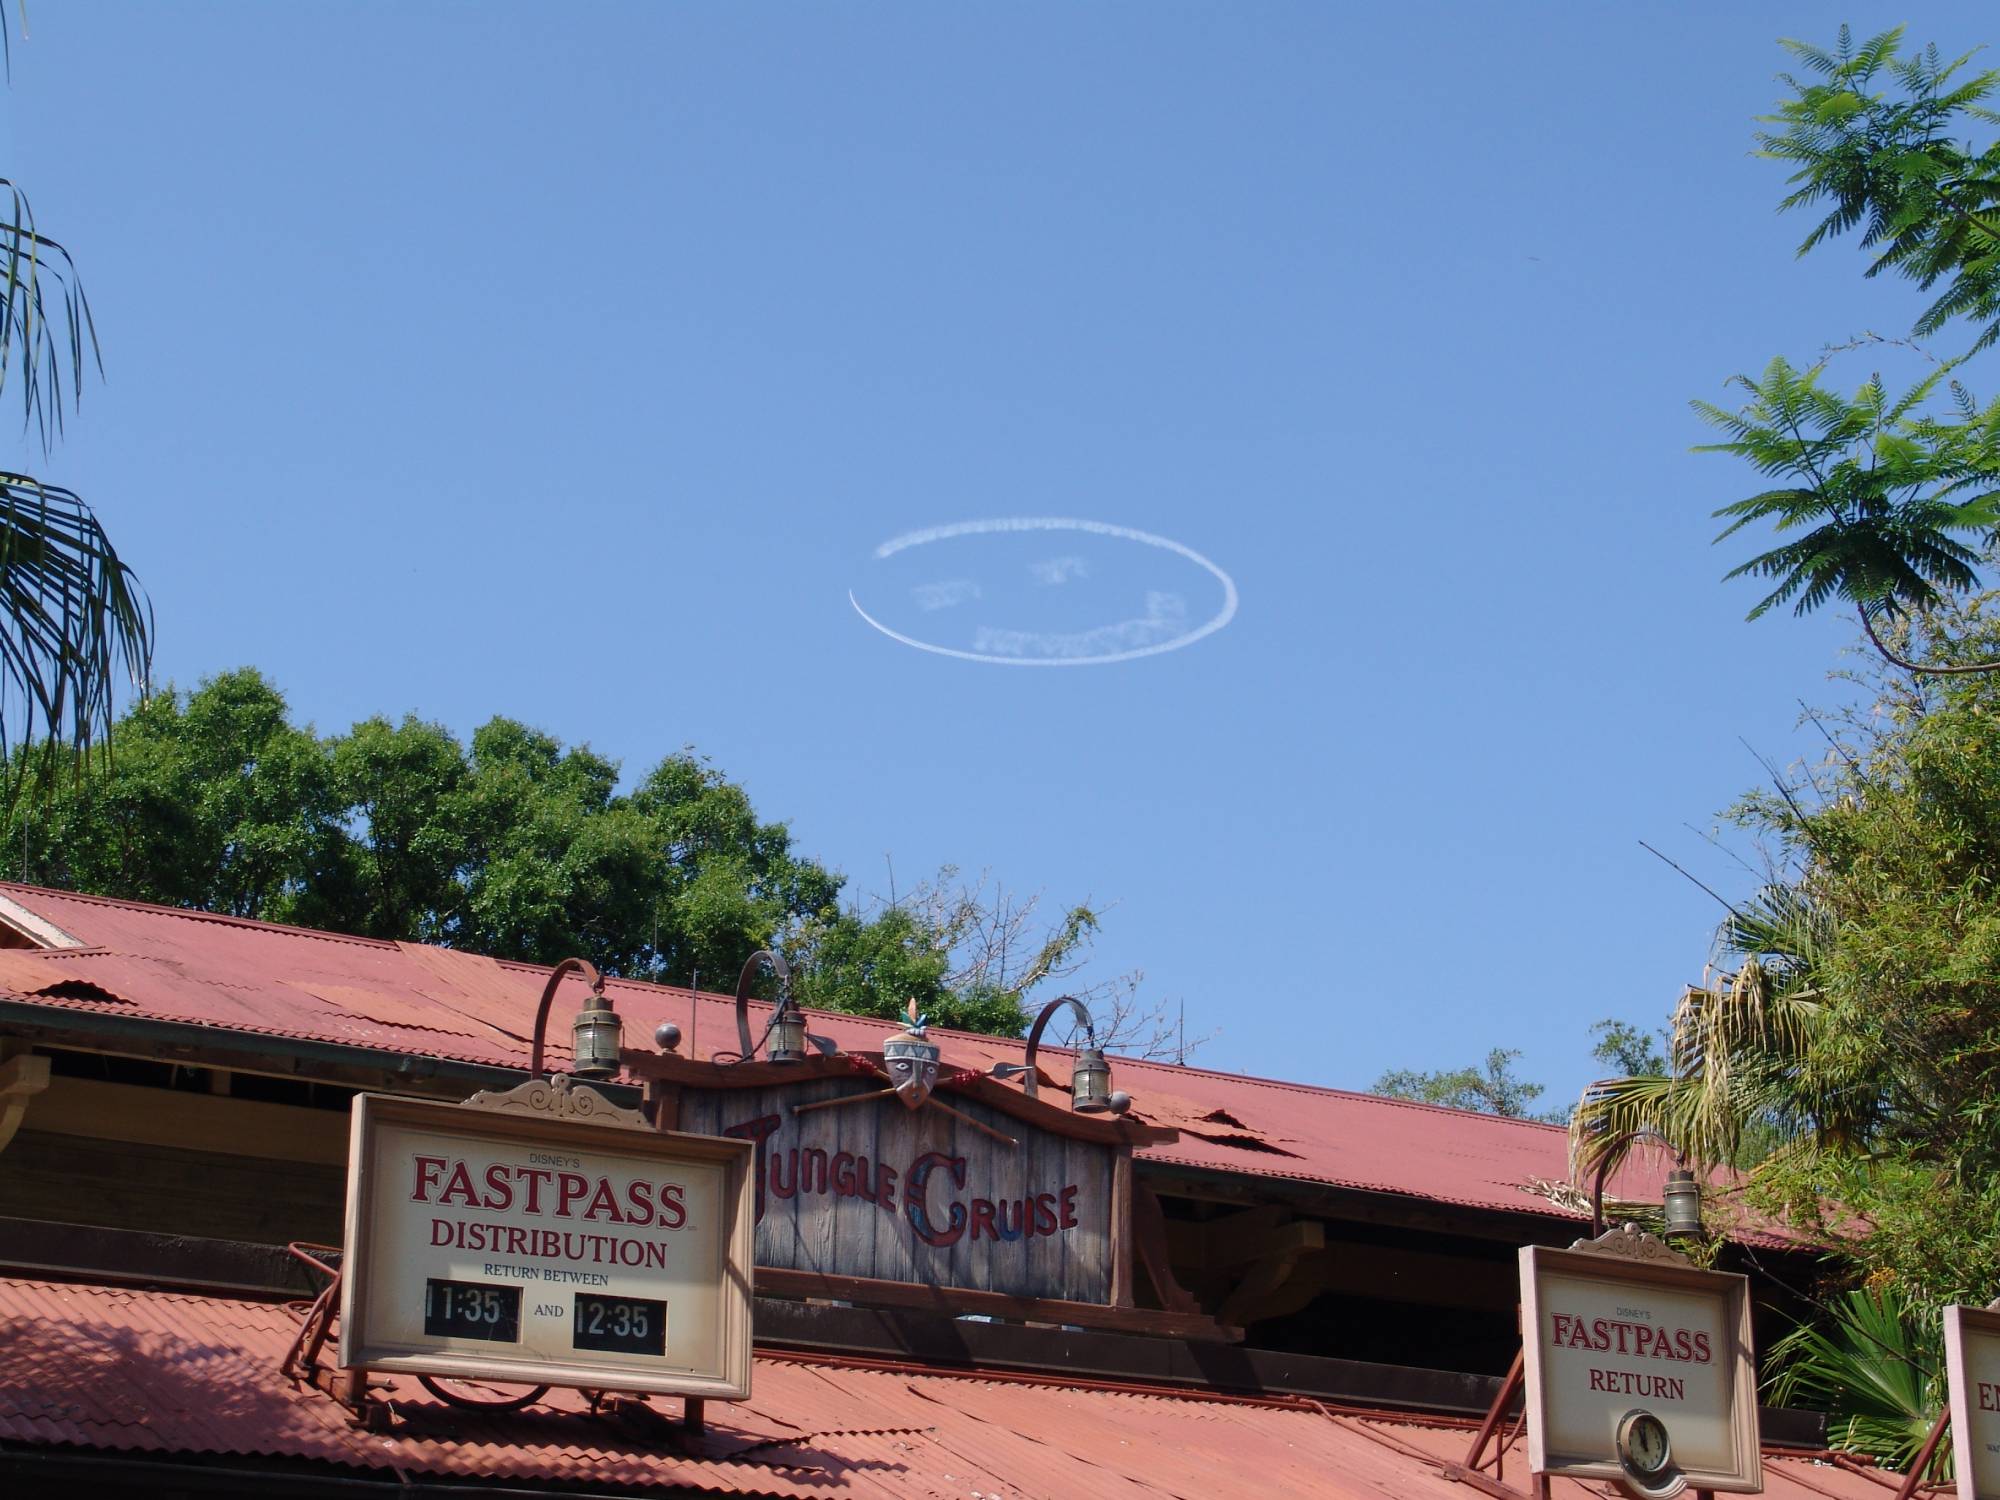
{"x": 472, "y": 1310}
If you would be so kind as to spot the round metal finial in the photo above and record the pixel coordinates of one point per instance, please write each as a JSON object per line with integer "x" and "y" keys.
{"x": 666, "y": 1036}
{"x": 1119, "y": 1102}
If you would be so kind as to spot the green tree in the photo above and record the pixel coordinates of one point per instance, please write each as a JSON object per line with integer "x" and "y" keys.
{"x": 74, "y": 622}
{"x": 516, "y": 846}
{"x": 1889, "y": 496}
{"x": 1491, "y": 1090}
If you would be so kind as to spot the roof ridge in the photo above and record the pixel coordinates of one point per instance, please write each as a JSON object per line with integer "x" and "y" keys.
{"x": 196, "y": 914}
{"x": 1152, "y": 1066}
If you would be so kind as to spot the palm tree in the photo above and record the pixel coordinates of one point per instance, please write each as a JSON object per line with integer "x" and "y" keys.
{"x": 73, "y": 618}
{"x": 1871, "y": 1368}
{"x": 1749, "y": 1080}
{"x": 1886, "y": 491}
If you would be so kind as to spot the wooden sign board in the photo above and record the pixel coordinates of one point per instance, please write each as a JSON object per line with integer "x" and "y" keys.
{"x": 1972, "y": 1360}
{"x": 512, "y": 1244}
{"x": 1607, "y": 1332}
{"x": 875, "y": 1189}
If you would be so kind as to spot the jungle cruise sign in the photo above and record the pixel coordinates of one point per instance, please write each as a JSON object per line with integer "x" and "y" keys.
{"x": 896, "y": 1170}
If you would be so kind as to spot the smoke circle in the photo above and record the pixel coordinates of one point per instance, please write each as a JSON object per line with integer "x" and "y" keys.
{"x": 1163, "y": 625}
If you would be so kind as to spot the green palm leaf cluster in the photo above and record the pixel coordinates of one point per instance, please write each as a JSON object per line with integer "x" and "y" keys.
{"x": 74, "y": 621}
{"x": 1888, "y": 497}
{"x": 1869, "y": 130}
{"x": 1872, "y": 1369}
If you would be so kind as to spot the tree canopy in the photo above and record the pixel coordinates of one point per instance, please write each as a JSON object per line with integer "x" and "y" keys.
{"x": 517, "y": 846}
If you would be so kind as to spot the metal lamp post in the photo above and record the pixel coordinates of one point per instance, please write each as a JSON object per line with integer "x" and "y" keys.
{"x": 596, "y": 1033}
{"x": 1090, "y": 1075}
{"x": 1681, "y": 1199}
{"x": 785, "y": 1036}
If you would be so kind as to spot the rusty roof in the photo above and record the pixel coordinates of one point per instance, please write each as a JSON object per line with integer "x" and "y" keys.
{"x": 165, "y": 963}
{"x": 149, "y": 1374}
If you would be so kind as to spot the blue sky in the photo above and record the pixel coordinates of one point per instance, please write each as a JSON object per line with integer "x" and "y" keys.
{"x": 570, "y": 362}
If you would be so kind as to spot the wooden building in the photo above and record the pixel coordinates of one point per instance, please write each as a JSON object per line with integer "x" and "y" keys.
{"x": 1237, "y": 1279}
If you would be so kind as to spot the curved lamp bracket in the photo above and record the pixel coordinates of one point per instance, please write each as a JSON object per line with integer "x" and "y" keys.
{"x": 762, "y": 958}
{"x": 1028, "y": 1079}
{"x": 581, "y": 966}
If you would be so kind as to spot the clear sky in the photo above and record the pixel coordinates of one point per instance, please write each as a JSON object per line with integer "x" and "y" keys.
{"x": 571, "y": 362}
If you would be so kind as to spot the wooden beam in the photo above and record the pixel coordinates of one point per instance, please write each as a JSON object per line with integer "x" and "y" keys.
{"x": 100, "y": 1111}
{"x": 21, "y": 1078}
{"x": 956, "y": 1301}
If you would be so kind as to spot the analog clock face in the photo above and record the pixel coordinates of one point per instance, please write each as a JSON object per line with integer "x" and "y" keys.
{"x": 1642, "y": 1443}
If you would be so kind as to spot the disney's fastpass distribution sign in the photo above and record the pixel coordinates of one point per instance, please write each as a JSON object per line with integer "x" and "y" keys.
{"x": 1972, "y": 1356}
{"x": 1639, "y": 1370}
{"x": 528, "y": 1248}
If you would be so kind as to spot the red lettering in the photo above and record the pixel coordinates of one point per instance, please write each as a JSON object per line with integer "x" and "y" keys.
{"x": 1642, "y": 1337}
{"x": 1068, "y": 1199}
{"x": 535, "y": 1177}
{"x": 759, "y": 1130}
{"x": 982, "y": 1218}
{"x": 864, "y": 1179}
{"x": 916, "y": 1207}
{"x": 1683, "y": 1345}
{"x": 570, "y": 1186}
{"x": 1702, "y": 1353}
{"x": 779, "y": 1186}
{"x": 499, "y": 1191}
{"x": 1045, "y": 1213}
{"x": 885, "y": 1186}
{"x": 1559, "y": 1325}
{"x": 441, "y": 1235}
{"x": 428, "y": 1168}
{"x": 1600, "y": 1335}
{"x": 843, "y": 1175}
{"x": 673, "y": 1212}
{"x": 1679, "y": 1388}
{"x": 458, "y": 1187}
{"x": 517, "y": 1240}
{"x": 1597, "y": 1379}
{"x": 604, "y": 1203}
{"x": 1989, "y": 1395}
{"x": 638, "y": 1202}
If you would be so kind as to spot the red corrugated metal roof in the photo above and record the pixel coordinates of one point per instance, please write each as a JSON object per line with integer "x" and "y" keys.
{"x": 167, "y": 964}
{"x": 157, "y": 1374}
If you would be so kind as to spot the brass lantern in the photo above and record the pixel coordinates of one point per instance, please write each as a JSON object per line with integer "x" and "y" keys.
{"x": 787, "y": 1042}
{"x": 597, "y": 1032}
{"x": 1090, "y": 1082}
{"x": 1682, "y": 1205}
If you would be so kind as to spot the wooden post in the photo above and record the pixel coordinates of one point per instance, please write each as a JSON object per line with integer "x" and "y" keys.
{"x": 1915, "y": 1478}
{"x": 1121, "y": 1228}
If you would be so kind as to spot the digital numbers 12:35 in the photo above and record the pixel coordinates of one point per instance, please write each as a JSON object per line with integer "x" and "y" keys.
{"x": 620, "y": 1325}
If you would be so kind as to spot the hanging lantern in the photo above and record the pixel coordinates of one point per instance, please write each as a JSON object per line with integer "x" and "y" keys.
{"x": 787, "y": 1042}
{"x": 1682, "y": 1203}
{"x": 597, "y": 1032}
{"x": 1090, "y": 1082}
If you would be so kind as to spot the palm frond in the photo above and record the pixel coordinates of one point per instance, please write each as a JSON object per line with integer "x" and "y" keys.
{"x": 74, "y": 622}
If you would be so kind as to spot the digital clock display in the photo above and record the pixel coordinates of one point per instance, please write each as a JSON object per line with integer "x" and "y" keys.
{"x": 620, "y": 1325}
{"x": 472, "y": 1310}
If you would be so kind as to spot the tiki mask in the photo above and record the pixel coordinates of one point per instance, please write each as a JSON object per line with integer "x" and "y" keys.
{"x": 910, "y": 1058}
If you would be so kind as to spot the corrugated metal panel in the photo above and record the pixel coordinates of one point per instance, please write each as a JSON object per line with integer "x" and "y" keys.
{"x": 255, "y": 977}
{"x": 161, "y": 1373}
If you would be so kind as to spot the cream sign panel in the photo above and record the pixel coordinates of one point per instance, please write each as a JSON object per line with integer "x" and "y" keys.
{"x": 1611, "y": 1338}
{"x": 563, "y": 1251}
{"x": 1972, "y": 1355}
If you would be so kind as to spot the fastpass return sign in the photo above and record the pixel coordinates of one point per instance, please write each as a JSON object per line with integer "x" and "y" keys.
{"x": 516, "y": 1247}
{"x": 1639, "y": 1371}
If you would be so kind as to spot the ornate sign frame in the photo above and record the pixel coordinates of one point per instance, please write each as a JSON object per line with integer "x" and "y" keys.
{"x": 1626, "y": 1258}
{"x": 549, "y": 1115}
{"x": 1963, "y": 1325}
